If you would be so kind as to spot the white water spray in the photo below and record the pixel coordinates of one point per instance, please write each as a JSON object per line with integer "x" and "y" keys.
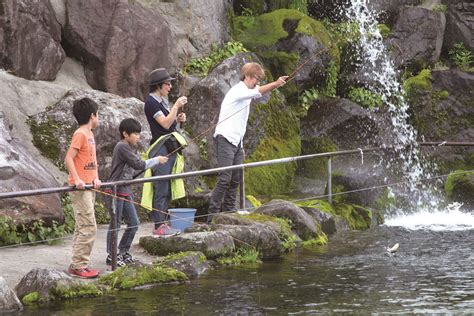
{"x": 381, "y": 76}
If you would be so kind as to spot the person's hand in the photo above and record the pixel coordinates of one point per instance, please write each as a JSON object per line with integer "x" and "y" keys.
{"x": 181, "y": 102}
{"x": 181, "y": 117}
{"x": 162, "y": 159}
{"x": 97, "y": 183}
{"x": 282, "y": 80}
{"x": 79, "y": 184}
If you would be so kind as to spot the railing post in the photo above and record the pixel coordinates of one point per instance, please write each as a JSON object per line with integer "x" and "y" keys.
{"x": 330, "y": 180}
{"x": 113, "y": 221}
{"x": 242, "y": 189}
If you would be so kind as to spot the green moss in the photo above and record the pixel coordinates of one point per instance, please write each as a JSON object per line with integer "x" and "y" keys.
{"x": 184, "y": 254}
{"x": 321, "y": 205}
{"x": 440, "y": 8}
{"x": 384, "y": 30}
{"x": 253, "y": 200}
{"x": 316, "y": 167}
{"x": 45, "y": 139}
{"x": 31, "y": 298}
{"x": 77, "y": 290}
{"x": 321, "y": 240}
{"x": 285, "y": 233}
{"x": 281, "y": 140}
{"x": 385, "y": 201}
{"x": 418, "y": 84}
{"x": 365, "y": 98}
{"x": 129, "y": 277}
{"x": 458, "y": 178}
{"x": 241, "y": 256}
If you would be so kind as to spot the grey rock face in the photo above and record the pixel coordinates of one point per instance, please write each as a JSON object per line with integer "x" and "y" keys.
{"x": 193, "y": 264}
{"x": 417, "y": 37}
{"x": 119, "y": 43}
{"x": 302, "y": 223}
{"x": 9, "y": 302}
{"x": 20, "y": 171}
{"x": 330, "y": 224}
{"x": 30, "y": 39}
{"x": 459, "y": 24}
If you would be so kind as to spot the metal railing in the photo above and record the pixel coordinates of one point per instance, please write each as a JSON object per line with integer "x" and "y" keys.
{"x": 115, "y": 184}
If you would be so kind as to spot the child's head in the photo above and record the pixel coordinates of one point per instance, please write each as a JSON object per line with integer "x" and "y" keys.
{"x": 85, "y": 110}
{"x": 130, "y": 130}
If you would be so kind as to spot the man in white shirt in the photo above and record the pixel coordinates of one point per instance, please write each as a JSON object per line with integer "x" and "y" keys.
{"x": 230, "y": 131}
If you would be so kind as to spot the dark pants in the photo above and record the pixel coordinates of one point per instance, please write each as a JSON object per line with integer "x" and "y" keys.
{"x": 162, "y": 189}
{"x": 224, "y": 195}
{"x": 126, "y": 210}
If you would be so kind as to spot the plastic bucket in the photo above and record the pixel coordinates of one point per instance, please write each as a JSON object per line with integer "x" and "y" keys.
{"x": 181, "y": 218}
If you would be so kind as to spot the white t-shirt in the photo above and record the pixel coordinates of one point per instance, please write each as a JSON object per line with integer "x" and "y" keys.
{"x": 235, "y": 109}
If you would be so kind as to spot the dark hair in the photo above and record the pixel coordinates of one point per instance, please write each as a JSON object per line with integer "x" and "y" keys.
{"x": 155, "y": 87}
{"x": 82, "y": 110}
{"x": 129, "y": 125}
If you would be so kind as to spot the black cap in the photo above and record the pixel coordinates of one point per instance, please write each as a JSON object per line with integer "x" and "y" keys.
{"x": 158, "y": 76}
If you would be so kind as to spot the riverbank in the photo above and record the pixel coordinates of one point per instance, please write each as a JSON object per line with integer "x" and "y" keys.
{"x": 18, "y": 261}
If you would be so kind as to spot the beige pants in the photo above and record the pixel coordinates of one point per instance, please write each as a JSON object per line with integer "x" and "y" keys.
{"x": 85, "y": 229}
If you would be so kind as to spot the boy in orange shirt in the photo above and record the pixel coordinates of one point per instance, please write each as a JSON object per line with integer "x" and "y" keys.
{"x": 81, "y": 161}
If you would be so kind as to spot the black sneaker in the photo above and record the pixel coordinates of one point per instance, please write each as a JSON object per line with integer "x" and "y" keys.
{"x": 127, "y": 258}
{"x": 120, "y": 261}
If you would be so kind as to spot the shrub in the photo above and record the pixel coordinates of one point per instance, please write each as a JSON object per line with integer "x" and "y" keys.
{"x": 461, "y": 56}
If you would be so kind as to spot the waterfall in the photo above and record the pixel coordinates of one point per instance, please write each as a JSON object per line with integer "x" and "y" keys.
{"x": 381, "y": 76}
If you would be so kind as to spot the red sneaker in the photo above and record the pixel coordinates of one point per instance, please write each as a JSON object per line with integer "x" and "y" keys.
{"x": 165, "y": 231}
{"x": 84, "y": 273}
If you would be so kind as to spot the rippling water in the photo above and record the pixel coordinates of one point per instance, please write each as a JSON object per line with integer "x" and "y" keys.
{"x": 433, "y": 271}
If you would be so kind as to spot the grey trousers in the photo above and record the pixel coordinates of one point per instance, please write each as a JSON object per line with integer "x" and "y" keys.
{"x": 224, "y": 195}
{"x": 162, "y": 189}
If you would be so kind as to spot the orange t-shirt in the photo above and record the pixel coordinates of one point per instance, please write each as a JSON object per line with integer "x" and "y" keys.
{"x": 86, "y": 159}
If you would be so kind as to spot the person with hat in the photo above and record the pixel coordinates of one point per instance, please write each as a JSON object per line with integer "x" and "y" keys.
{"x": 163, "y": 120}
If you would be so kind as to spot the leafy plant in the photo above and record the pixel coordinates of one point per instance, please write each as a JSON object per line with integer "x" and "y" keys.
{"x": 307, "y": 98}
{"x": 202, "y": 66}
{"x": 461, "y": 56}
{"x": 241, "y": 256}
{"x": 365, "y": 98}
{"x": 384, "y": 30}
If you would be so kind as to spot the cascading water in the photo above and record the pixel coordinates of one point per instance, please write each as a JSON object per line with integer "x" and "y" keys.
{"x": 380, "y": 75}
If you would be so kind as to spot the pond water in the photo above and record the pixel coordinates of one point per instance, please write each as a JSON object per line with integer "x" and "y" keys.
{"x": 433, "y": 271}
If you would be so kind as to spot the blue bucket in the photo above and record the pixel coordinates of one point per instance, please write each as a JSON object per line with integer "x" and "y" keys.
{"x": 181, "y": 218}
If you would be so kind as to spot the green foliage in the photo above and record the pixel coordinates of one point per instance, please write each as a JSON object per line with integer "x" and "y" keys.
{"x": 13, "y": 233}
{"x": 440, "y": 8}
{"x": 183, "y": 254}
{"x": 101, "y": 212}
{"x": 128, "y": 277}
{"x": 202, "y": 66}
{"x": 45, "y": 139}
{"x": 241, "y": 256}
{"x": 461, "y": 56}
{"x": 365, "y": 98}
{"x": 77, "y": 290}
{"x": 458, "y": 178}
{"x": 307, "y": 97}
{"x": 203, "y": 149}
{"x": 384, "y": 30}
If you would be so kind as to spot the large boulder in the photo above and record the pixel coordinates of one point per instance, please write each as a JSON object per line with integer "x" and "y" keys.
{"x": 459, "y": 24}
{"x": 53, "y": 128}
{"x": 459, "y": 188}
{"x": 19, "y": 170}
{"x": 260, "y": 237}
{"x": 273, "y": 127}
{"x": 119, "y": 43}
{"x": 417, "y": 37}
{"x": 192, "y": 263}
{"x": 9, "y": 302}
{"x": 302, "y": 223}
{"x": 444, "y": 112}
{"x": 212, "y": 244}
{"x": 30, "y": 39}
{"x": 196, "y": 25}
{"x": 330, "y": 223}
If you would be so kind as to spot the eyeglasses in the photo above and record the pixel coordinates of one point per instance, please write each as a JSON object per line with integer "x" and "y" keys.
{"x": 167, "y": 83}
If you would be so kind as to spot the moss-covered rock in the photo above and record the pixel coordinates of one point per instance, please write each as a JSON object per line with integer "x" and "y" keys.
{"x": 280, "y": 138}
{"x": 65, "y": 290}
{"x": 459, "y": 187}
{"x": 129, "y": 277}
{"x": 191, "y": 263}
{"x": 418, "y": 84}
{"x": 316, "y": 167}
{"x": 257, "y": 7}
